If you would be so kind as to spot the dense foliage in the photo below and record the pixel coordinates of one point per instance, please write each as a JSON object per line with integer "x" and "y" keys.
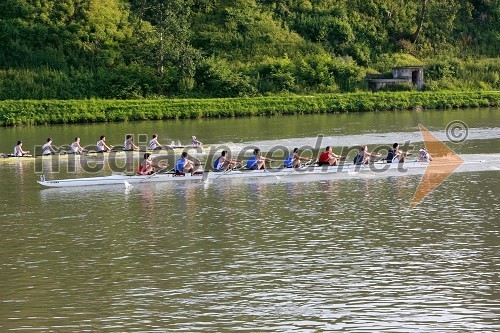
{"x": 77, "y": 49}
{"x": 31, "y": 112}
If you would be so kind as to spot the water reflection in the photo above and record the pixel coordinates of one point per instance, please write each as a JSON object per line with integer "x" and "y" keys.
{"x": 327, "y": 255}
{"x": 289, "y": 254}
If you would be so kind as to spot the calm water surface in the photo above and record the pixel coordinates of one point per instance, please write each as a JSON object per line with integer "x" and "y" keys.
{"x": 312, "y": 256}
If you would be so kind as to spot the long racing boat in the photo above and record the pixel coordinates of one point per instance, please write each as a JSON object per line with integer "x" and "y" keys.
{"x": 121, "y": 179}
{"x": 119, "y": 154}
{"x": 470, "y": 163}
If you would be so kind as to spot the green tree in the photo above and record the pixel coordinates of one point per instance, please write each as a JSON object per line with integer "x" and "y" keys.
{"x": 171, "y": 22}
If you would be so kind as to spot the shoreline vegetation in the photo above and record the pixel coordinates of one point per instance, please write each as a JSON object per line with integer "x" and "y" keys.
{"x": 44, "y": 112}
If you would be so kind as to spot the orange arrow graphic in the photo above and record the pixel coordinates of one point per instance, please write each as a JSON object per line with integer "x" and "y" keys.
{"x": 444, "y": 162}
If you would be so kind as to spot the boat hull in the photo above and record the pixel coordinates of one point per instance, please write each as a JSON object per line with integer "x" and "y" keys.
{"x": 210, "y": 175}
{"x": 111, "y": 155}
{"x": 14, "y": 159}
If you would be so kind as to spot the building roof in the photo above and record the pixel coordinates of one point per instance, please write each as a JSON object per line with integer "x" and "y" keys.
{"x": 389, "y": 80}
{"x": 408, "y": 67}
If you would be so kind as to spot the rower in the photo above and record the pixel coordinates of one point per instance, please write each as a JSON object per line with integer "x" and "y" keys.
{"x": 223, "y": 163}
{"x": 293, "y": 160}
{"x": 328, "y": 157}
{"x": 47, "y": 148}
{"x": 195, "y": 141}
{"x": 424, "y": 156}
{"x": 363, "y": 156}
{"x": 395, "y": 155}
{"x": 154, "y": 144}
{"x": 76, "y": 148}
{"x": 18, "y": 149}
{"x": 102, "y": 147}
{"x": 257, "y": 162}
{"x": 147, "y": 166}
{"x": 128, "y": 145}
{"x": 183, "y": 164}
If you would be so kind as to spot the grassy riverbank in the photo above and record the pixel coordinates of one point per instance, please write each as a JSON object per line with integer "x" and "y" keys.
{"x": 40, "y": 112}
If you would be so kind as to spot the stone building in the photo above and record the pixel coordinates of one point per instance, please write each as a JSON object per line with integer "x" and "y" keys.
{"x": 403, "y": 74}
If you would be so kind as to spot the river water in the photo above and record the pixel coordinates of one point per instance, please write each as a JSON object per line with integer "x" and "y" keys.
{"x": 254, "y": 255}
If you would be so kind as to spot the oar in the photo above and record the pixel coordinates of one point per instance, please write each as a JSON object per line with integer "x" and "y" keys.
{"x": 380, "y": 158}
{"x": 128, "y": 185}
{"x": 205, "y": 175}
{"x": 154, "y": 174}
{"x": 12, "y": 155}
{"x": 272, "y": 161}
{"x": 294, "y": 170}
{"x": 51, "y": 154}
{"x": 229, "y": 170}
{"x": 308, "y": 163}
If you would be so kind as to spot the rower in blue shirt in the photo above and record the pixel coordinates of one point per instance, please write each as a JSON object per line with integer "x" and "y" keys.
{"x": 363, "y": 156}
{"x": 223, "y": 163}
{"x": 183, "y": 164}
{"x": 395, "y": 155}
{"x": 293, "y": 160}
{"x": 257, "y": 162}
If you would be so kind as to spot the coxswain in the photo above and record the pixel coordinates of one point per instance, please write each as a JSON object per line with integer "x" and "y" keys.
{"x": 424, "y": 156}
{"x": 328, "y": 157}
{"x": 293, "y": 160}
{"x": 18, "y": 150}
{"x": 102, "y": 147}
{"x": 195, "y": 141}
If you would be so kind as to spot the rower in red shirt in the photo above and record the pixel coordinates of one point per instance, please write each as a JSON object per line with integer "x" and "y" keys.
{"x": 328, "y": 157}
{"x": 147, "y": 166}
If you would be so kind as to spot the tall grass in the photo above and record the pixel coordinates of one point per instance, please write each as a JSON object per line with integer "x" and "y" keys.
{"x": 453, "y": 74}
{"x": 38, "y": 112}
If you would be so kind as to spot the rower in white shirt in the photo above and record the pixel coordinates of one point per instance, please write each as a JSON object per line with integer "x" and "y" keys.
{"x": 195, "y": 141}
{"x": 18, "y": 149}
{"x": 154, "y": 144}
{"x": 102, "y": 147}
{"x": 47, "y": 148}
{"x": 129, "y": 143}
{"x": 424, "y": 156}
{"x": 76, "y": 148}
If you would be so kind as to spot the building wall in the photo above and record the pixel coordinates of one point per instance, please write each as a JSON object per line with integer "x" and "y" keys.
{"x": 415, "y": 74}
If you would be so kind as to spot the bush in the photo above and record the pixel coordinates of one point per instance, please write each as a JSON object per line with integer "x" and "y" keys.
{"x": 216, "y": 78}
{"x": 31, "y": 112}
{"x": 407, "y": 86}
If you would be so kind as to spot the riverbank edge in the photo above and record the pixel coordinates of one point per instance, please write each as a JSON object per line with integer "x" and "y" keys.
{"x": 44, "y": 112}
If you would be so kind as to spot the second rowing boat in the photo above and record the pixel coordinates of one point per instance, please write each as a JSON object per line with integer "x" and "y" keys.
{"x": 107, "y": 155}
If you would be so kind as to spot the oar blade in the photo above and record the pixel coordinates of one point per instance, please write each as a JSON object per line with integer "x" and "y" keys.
{"x": 205, "y": 176}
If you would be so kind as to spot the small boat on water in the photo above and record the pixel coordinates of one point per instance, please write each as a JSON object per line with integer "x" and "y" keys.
{"x": 117, "y": 154}
{"x": 121, "y": 179}
{"x": 12, "y": 158}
